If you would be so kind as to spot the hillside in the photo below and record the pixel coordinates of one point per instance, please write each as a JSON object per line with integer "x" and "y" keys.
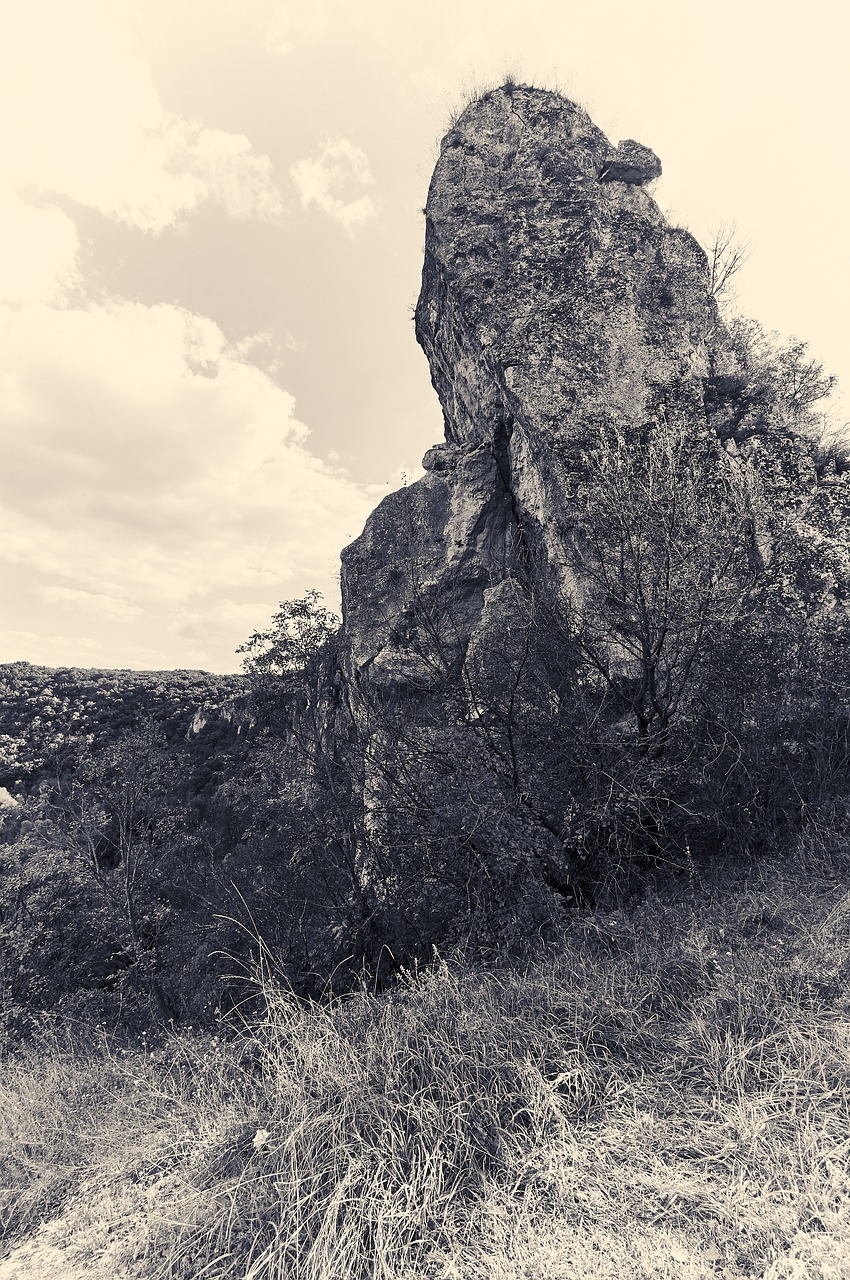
{"x": 46, "y": 713}
{"x": 501, "y": 928}
{"x": 660, "y": 1094}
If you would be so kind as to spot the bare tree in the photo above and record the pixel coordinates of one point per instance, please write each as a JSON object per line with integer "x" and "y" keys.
{"x": 727, "y": 254}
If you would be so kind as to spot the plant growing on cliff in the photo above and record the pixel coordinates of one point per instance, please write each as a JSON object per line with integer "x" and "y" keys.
{"x": 708, "y": 701}
{"x": 727, "y": 254}
{"x": 298, "y": 632}
{"x": 775, "y": 389}
{"x": 664, "y": 544}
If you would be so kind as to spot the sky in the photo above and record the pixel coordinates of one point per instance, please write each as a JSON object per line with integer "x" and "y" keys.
{"x": 210, "y": 247}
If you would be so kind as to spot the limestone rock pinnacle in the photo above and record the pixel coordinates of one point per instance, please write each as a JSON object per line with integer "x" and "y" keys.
{"x": 555, "y": 300}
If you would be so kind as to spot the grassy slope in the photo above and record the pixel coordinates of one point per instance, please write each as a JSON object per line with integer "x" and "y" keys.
{"x": 666, "y": 1094}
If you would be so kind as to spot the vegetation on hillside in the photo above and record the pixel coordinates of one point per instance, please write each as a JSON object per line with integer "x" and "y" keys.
{"x": 48, "y": 714}
{"x": 662, "y": 1092}
{"x": 686, "y": 697}
{"x": 542, "y": 973}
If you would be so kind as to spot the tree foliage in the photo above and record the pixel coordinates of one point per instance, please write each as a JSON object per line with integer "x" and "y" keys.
{"x": 299, "y": 630}
{"x": 664, "y": 566}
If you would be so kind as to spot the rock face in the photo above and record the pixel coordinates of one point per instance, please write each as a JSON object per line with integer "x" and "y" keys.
{"x": 561, "y": 317}
{"x": 631, "y": 163}
{"x": 233, "y": 713}
{"x": 555, "y": 301}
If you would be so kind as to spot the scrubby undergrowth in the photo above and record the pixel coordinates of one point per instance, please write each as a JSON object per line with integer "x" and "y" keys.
{"x": 664, "y": 1093}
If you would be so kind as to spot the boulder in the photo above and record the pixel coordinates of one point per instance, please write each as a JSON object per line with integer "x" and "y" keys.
{"x": 632, "y": 163}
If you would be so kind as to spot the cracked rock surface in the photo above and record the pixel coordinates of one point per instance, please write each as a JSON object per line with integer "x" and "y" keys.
{"x": 555, "y": 300}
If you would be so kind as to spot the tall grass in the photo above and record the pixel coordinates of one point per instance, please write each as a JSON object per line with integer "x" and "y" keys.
{"x": 667, "y": 1092}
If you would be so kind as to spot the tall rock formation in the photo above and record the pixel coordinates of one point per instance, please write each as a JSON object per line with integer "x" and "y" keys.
{"x": 555, "y": 301}
{"x": 559, "y": 310}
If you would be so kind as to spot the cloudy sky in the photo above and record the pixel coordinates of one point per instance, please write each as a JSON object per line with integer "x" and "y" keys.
{"x": 210, "y": 243}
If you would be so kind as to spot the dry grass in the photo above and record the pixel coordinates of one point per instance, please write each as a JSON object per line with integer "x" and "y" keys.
{"x": 667, "y": 1094}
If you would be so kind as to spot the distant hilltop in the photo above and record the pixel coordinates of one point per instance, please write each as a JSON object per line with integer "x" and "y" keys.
{"x": 50, "y": 710}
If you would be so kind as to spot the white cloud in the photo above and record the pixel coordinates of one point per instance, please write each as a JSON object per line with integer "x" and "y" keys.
{"x": 38, "y": 251}
{"x": 146, "y": 467}
{"x": 89, "y": 125}
{"x": 266, "y": 351}
{"x": 193, "y": 625}
{"x": 339, "y": 164}
{"x": 224, "y": 166}
{"x": 288, "y": 25}
{"x": 92, "y": 604}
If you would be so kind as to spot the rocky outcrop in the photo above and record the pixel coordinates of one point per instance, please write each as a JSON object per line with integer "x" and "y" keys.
{"x": 414, "y": 583}
{"x": 8, "y": 803}
{"x": 631, "y": 163}
{"x": 555, "y": 301}
{"x": 236, "y": 713}
{"x": 558, "y": 310}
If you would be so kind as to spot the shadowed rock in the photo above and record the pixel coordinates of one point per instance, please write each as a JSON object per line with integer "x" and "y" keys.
{"x": 632, "y": 163}
{"x": 555, "y": 300}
